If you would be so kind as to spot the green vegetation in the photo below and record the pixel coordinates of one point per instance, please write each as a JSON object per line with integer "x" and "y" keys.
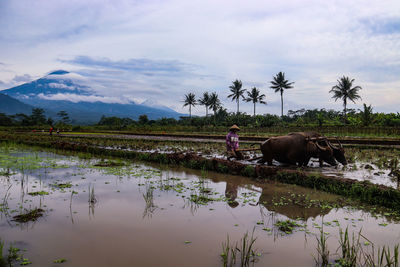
{"x": 62, "y": 260}
{"x": 344, "y": 90}
{"x": 280, "y": 84}
{"x": 13, "y": 256}
{"x": 255, "y": 97}
{"x": 287, "y": 226}
{"x": 352, "y": 254}
{"x": 38, "y": 193}
{"x": 242, "y": 253}
{"x": 190, "y": 100}
{"x": 30, "y": 215}
{"x": 237, "y": 92}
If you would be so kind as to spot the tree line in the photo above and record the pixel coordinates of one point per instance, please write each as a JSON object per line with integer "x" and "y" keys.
{"x": 37, "y": 118}
{"x": 344, "y": 90}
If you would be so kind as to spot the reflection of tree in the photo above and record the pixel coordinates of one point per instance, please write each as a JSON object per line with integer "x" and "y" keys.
{"x": 231, "y": 194}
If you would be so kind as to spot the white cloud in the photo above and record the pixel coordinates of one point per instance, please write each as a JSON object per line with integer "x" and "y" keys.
{"x": 61, "y": 86}
{"x": 83, "y": 98}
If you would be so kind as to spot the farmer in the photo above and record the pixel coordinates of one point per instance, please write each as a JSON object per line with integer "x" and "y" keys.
{"x": 232, "y": 143}
{"x": 51, "y": 130}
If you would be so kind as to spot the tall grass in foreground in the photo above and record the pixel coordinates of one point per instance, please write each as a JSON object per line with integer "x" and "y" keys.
{"x": 242, "y": 253}
{"x": 322, "y": 250}
{"x": 352, "y": 253}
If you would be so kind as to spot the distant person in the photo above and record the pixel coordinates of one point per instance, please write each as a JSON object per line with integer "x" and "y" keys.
{"x": 58, "y": 131}
{"x": 232, "y": 143}
{"x": 51, "y": 130}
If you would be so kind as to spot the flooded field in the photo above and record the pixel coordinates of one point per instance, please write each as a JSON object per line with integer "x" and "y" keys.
{"x": 80, "y": 210}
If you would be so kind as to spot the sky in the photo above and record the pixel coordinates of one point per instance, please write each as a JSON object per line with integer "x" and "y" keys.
{"x": 161, "y": 50}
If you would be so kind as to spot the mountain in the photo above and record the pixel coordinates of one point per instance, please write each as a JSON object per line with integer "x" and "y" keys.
{"x": 63, "y": 90}
{"x": 11, "y": 106}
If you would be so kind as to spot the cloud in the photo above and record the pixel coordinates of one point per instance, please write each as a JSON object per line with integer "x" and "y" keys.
{"x": 61, "y": 86}
{"x": 83, "y": 98}
{"x": 141, "y": 65}
{"x": 22, "y": 78}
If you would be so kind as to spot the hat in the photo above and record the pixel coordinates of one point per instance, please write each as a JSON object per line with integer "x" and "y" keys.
{"x": 234, "y": 127}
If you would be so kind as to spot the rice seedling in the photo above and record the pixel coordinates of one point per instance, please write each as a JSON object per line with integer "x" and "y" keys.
{"x": 322, "y": 249}
{"x": 242, "y": 253}
{"x": 384, "y": 257}
{"x": 350, "y": 248}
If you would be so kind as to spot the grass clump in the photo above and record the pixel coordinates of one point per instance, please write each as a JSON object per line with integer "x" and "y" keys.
{"x": 11, "y": 257}
{"x": 201, "y": 199}
{"x": 31, "y": 215}
{"x": 38, "y": 193}
{"x": 62, "y": 260}
{"x": 287, "y": 226}
{"x": 241, "y": 252}
{"x": 63, "y": 185}
{"x": 322, "y": 250}
{"x": 352, "y": 254}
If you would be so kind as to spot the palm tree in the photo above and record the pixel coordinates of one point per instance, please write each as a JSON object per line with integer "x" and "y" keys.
{"x": 255, "y": 97}
{"x": 205, "y": 101}
{"x": 190, "y": 100}
{"x": 237, "y": 92}
{"x": 345, "y": 91}
{"x": 279, "y": 84}
{"x": 366, "y": 115}
{"x": 215, "y": 103}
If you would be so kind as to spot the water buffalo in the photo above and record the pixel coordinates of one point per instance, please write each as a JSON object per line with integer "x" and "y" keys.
{"x": 295, "y": 149}
{"x": 338, "y": 151}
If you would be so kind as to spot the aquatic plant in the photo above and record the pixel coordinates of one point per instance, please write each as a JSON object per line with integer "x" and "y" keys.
{"x": 38, "y": 193}
{"x": 350, "y": 249}
{"x": 322, "y": 249}
{"x": 29, "y": 215}
{"x": 243, "y": 252}
{"x": 11, "y": 257}
{"x": 287, "y": 226}
{"x": 352, "y": 253}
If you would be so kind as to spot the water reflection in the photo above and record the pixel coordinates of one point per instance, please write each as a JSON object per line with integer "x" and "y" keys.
{"x": 231, "y": 191}
{"x": 292, "y": 204}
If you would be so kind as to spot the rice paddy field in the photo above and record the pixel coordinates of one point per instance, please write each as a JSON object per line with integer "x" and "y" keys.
{"x": 60, "y": 207}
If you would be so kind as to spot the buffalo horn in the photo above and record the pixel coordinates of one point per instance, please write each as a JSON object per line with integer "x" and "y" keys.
{"x": 340, "y": 144}
{"x": 332, "y": 146}
{"x": 321, "y": 147}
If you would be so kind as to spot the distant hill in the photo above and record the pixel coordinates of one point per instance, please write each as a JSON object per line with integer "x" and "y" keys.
{"x": 11, "y": 106}
{"x": 63, "y": 90}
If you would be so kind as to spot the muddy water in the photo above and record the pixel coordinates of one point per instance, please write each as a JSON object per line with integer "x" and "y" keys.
{"x": 151, "y": 215}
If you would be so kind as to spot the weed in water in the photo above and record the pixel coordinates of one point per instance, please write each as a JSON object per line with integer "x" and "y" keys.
{"x": 31, "y": 215}
{"x": 322, "y": 249}
{"x": 287, "y": 226}
{"x": 38, "y": 193}
{"x": 350, "y": 249}
{"x": 60, "y": 260}
{"x": 243, "y": 252}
